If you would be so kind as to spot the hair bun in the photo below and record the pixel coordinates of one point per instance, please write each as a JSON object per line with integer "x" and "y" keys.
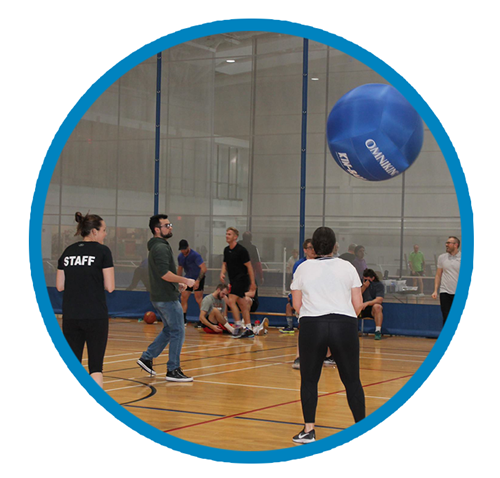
{"x": 78, "y": 217}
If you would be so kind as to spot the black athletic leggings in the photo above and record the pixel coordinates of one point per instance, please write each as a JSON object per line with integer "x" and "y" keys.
{"x": 94, "y": 333}
{"x": 446, "y": 301}
{"x": 340, "y": 333}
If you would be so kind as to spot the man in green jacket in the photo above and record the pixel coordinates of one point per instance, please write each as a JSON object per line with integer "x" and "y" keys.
{"x": 165, "y": 287}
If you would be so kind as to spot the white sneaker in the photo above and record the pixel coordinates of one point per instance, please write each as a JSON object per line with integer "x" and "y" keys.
{"x": 262, "y": 326}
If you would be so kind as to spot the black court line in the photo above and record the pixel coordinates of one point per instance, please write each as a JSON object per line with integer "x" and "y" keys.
{"x": 279, "y": 422}
{"x": 151, "y": 388}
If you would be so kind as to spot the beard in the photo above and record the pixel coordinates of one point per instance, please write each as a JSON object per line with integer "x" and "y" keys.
{"x": 167, "y": 236}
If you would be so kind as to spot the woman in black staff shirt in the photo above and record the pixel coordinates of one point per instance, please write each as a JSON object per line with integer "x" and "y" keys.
{"x": 85, "y": 270}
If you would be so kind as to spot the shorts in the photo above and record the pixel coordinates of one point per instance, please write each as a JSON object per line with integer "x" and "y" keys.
{"x": 240, "y": 287}
{"x": 208, "y": 330}
{"x": 367, "y": 312}
{"x": 94, "y": 333}
{"x": 417, "y": 273}
{"x": 200, "y": 287}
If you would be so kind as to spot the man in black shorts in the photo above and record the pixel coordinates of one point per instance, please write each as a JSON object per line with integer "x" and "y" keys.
{"x": 238, "y": 266}
{"x": 373, "y": 296}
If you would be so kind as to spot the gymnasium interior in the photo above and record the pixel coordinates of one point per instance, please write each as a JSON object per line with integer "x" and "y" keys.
{"x": 225, "y": 131}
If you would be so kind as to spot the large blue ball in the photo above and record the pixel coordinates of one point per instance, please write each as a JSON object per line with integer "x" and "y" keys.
{"x": 374, "y": 133}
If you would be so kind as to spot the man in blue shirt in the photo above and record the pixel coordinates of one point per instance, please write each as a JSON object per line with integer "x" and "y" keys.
{"x": 290, "y": 312}
{"x": 194, "y": 268}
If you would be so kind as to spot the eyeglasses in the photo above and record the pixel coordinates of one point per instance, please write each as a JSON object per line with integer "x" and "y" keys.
{"x": 450, "y": 243}
{"x": 166, "y": 225}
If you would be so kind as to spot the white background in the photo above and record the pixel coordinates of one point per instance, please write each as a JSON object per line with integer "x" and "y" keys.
{"x": 53, "y": 51}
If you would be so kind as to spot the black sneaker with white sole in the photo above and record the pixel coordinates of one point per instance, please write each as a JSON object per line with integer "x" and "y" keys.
{"x": 177, "y": 376}
{"x": 304, "y": 437}
{"x": 329, "y": 362}
{"x": 246, "y": 333}
{"x": 146, "y": 365}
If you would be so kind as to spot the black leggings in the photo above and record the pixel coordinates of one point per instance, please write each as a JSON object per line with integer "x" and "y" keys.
{"x": 92, "y": 332}
{"x": 340, "y": 334}
{"x": 446, "y": 300}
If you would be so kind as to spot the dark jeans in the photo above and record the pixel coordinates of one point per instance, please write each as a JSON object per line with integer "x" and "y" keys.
{"x": 340, "y": 334}
{"x": 446, "y": 300}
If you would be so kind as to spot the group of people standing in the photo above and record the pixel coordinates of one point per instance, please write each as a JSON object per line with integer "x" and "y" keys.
{"x": 86, "y": 272}
{"x": 327, "y": 294}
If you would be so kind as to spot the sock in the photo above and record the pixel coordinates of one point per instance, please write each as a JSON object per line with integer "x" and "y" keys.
{"x": 289, "y": 322}
{"x": 229, "y": 327}
{"x": 378, "y": 329}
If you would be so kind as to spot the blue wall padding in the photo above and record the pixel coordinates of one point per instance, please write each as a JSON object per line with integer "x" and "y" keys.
{"x": 399, "y": 319}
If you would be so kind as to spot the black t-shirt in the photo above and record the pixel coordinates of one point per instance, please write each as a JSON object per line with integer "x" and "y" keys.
{"x": 84, "y": 296}
{"x": 252, "y": 251}
{"x": 347, "y": 256}
{"x": 374, "y": 290}
{"x": 235, "y": 260}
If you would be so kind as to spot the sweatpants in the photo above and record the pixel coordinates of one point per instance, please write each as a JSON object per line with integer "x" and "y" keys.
{"x": 340, "y": 334}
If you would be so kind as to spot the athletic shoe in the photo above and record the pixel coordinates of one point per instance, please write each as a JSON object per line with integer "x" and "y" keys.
{"x": 378, "y": 335}
{"x": 198, "y": 325}
{"x": 146, "y": 365}
{"x": 238, "y": 330}
{"x": 246, "y": 333}
{"x": 329, "y": 362}
{"x": 287, "y": 330}
{"x": 304, "y": 437}
{"x": 262, "y": 326}
{"x": 177, "y": 376}
{"x": 296, "y": 364}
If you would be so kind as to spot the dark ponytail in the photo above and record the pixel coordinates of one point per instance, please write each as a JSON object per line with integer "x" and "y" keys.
{"x": 87, "y": 223}
{"x": 323, "y": 241}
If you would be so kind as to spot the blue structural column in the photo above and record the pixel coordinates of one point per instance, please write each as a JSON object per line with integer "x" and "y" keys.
{"x": 305, "y": 74}
{"x": 157, "y": 133}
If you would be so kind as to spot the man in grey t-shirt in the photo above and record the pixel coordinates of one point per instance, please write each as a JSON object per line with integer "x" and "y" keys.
{"x": 213, "y": 311}
{"x": 448, "y": 268}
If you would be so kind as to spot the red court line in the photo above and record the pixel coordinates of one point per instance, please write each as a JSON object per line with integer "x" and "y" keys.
{"x": 277, "y": 405}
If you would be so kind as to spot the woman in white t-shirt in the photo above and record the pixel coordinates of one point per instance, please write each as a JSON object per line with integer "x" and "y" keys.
{"x": 326, "y": 292}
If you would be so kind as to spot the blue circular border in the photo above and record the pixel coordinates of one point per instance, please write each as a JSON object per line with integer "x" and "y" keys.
{"x": 113, "y": 75}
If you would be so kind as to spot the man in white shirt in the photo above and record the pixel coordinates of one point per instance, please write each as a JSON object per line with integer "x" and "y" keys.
{"x": 448, "y": 268}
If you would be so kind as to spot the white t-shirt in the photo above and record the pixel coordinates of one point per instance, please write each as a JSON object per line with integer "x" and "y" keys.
{"x": 451, "y": 268}
{"x": 326, "y": 285}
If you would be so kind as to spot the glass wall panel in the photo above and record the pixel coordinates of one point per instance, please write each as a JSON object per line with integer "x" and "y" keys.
{"x": 230, "y": 155}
